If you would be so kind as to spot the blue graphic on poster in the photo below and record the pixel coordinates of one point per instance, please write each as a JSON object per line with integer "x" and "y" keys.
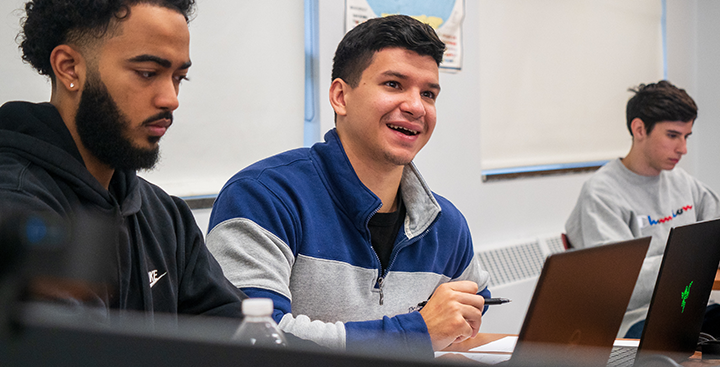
{"x": 445, "y": 16}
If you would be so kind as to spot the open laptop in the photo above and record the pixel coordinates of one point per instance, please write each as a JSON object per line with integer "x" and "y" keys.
{"x": 682, "y": 289}
{"x": 578, "y": 305}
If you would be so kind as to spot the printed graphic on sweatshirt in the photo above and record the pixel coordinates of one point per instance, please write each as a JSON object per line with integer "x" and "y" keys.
{"x": 654, "y": 221}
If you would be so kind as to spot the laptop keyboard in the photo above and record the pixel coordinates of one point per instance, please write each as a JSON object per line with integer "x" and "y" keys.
{"x": 622, "y": 357}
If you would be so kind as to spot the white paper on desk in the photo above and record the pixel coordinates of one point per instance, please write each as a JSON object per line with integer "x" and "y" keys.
{"x": 506, "y": 344}
{"x": 487, "y": 358}
{"x": 627, "y": 343}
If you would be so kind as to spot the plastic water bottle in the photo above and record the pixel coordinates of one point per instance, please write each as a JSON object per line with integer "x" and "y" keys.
{"x": 258, "y": 327}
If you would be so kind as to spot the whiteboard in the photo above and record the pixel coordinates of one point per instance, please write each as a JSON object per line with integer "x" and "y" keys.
{"x": 554, "y": 77}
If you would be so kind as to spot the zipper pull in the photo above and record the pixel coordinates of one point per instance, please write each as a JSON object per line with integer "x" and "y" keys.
{"x": 380, "y": 286}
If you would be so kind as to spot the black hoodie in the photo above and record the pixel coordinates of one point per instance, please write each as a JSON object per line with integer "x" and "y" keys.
{"x": 160, "y": 259}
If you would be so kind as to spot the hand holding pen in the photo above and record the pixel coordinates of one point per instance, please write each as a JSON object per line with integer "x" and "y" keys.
{"x": 488, "y": 302}
{"x": 453, "y": 313}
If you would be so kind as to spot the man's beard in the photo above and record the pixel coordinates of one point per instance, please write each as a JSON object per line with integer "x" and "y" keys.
{"x": 102, "y": 129}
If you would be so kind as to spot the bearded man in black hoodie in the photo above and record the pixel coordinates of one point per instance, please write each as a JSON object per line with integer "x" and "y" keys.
{"x": 116, "y": 67}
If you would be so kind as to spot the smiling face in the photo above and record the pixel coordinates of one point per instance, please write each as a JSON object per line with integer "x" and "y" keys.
{"x": 139, "y": 68}
{"x": 390, "y": 115}
{"x": 662, "y": 148}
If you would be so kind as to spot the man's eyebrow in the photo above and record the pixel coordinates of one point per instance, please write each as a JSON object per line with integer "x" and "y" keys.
{"x": 400, "y": 75}
{"x": 396, "y": 74}
{"x": 159, "y": 60}
{"x": 678, "y": 132}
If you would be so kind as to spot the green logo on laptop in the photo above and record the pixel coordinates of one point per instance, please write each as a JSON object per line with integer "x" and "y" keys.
{"x": 685, "y": 295}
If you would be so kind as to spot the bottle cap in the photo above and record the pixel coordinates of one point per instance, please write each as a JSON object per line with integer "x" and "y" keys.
{"x": 257, "y": 307}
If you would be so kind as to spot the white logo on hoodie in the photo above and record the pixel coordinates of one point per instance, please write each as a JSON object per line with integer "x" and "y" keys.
{"x": 154, "y": 277}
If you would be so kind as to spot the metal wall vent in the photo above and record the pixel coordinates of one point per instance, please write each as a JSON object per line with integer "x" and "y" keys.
{"x": 518, "y": 262}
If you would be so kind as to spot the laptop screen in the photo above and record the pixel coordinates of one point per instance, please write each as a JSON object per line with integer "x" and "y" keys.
{"x": 579, "y": 303}
{"x": 682, "y": 289}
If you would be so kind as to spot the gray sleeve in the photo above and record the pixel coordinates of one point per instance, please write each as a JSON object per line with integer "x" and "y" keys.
{"x": 597, "y": 220}
{"x": 253, "y": 257}
{"x": 707, "y": 202}
{"x": 475, "y": 273}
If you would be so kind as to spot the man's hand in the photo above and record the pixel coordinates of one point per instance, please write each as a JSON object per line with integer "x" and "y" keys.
{"x": 453, "y": 313}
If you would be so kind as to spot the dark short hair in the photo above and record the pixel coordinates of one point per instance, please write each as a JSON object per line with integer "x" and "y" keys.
{"x": 661, "y": 101}
{"x": 357, "y": 48}
{"x": 50, "y": 23}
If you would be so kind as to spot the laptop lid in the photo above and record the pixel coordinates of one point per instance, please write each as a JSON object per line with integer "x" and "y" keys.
{"x": 578, "y": 305}
{"x": 682, "y": 290}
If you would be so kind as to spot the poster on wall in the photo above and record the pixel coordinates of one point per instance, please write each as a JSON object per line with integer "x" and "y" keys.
{"x": 445, "y": 16}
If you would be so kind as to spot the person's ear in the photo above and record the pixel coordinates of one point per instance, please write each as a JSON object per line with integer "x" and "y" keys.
{"x": 338, "y": 96}
{"x": 69, "y": 67}
{"x": 637, "y": 126}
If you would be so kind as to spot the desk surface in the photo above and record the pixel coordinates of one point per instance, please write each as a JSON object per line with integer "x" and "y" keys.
{"x": 484, "y": 338}
{"x": 716, "y": 284}
{"x": 480, "y": 339}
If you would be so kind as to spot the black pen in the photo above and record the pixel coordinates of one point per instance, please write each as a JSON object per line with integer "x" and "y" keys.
{"x": 488, "y": 302}
{"x": 496, "y": 301}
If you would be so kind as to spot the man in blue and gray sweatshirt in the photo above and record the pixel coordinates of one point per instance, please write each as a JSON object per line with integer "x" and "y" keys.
{"x": 345, "y": 236}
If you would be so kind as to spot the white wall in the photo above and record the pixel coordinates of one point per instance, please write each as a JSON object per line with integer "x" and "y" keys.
{"x": 20, "y": 81}
{"x": 707, "y": 62}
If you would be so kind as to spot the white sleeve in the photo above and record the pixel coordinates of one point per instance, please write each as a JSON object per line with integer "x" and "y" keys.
{"x": 326, "y": 334}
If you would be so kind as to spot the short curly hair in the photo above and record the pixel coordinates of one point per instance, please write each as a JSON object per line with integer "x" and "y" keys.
{"x": 50, "y": 23}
